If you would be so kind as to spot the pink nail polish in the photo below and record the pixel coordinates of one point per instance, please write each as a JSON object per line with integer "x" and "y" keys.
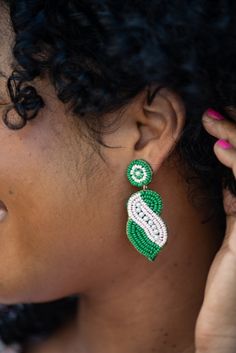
{"x": 214, "y": 114}
{"x": 224, "y": 144}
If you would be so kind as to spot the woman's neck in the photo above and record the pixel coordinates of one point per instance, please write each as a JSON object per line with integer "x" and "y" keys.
{"x": 149, "y": 307}
{"x": 153, "y": 307}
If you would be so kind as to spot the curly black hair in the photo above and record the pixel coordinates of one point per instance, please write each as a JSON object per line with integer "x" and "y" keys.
{"x": 99, "y": 55}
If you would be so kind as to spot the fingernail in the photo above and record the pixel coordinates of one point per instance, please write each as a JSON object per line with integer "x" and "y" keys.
{"x": 214, "y": 114}
{"x": 224, "y": 144}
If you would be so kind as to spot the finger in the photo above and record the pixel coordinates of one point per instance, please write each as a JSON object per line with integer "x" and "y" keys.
{"x": 222, "y": 129}
{"x": 229, "y": 204}
{"x": 226, "y": 153}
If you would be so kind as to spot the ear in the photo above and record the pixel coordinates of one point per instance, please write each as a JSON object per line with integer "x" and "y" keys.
{"x": 152, "y": 127}
{"x": 161, "y": 125}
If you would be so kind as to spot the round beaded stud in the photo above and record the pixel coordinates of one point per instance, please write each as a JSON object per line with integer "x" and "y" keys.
{"x": 145, "y": 229}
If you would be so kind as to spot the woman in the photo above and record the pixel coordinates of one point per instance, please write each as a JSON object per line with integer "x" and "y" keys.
{"x": 88, "y": 87}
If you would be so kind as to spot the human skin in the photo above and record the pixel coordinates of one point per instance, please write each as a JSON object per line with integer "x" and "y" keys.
{"x": 216, "y": 323}
{"x": 64, "y": 230}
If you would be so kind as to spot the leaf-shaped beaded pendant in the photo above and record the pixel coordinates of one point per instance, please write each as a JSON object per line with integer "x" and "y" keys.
{"x": 145, "y": 229}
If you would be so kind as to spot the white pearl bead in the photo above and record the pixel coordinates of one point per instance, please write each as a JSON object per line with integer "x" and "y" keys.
{"x": 141, "y": 214}
{"x": 145, "y": 218}
{"x": 150, "y": 222}
{"x": 138, "y": 209}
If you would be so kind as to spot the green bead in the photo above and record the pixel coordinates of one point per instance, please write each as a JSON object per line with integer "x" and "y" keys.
{"x": 139, "y": 172}
{"x": 141, "y": 242}
{"x": 153, "y": 200}
{"x": 141, "y": 235}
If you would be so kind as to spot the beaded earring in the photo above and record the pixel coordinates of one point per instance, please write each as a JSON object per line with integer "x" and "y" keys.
{"x": 145, "y": 229}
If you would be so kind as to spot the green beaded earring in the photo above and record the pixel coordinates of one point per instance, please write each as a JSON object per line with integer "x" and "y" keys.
{"x": 145, "y": 229}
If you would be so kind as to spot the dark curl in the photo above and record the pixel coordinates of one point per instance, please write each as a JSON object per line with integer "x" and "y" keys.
{"x": 99, "y": 55}
{"x": 25, "y": 100}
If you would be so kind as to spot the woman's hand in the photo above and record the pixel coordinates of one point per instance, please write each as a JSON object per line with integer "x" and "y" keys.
{"x": 215, "y": 330}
